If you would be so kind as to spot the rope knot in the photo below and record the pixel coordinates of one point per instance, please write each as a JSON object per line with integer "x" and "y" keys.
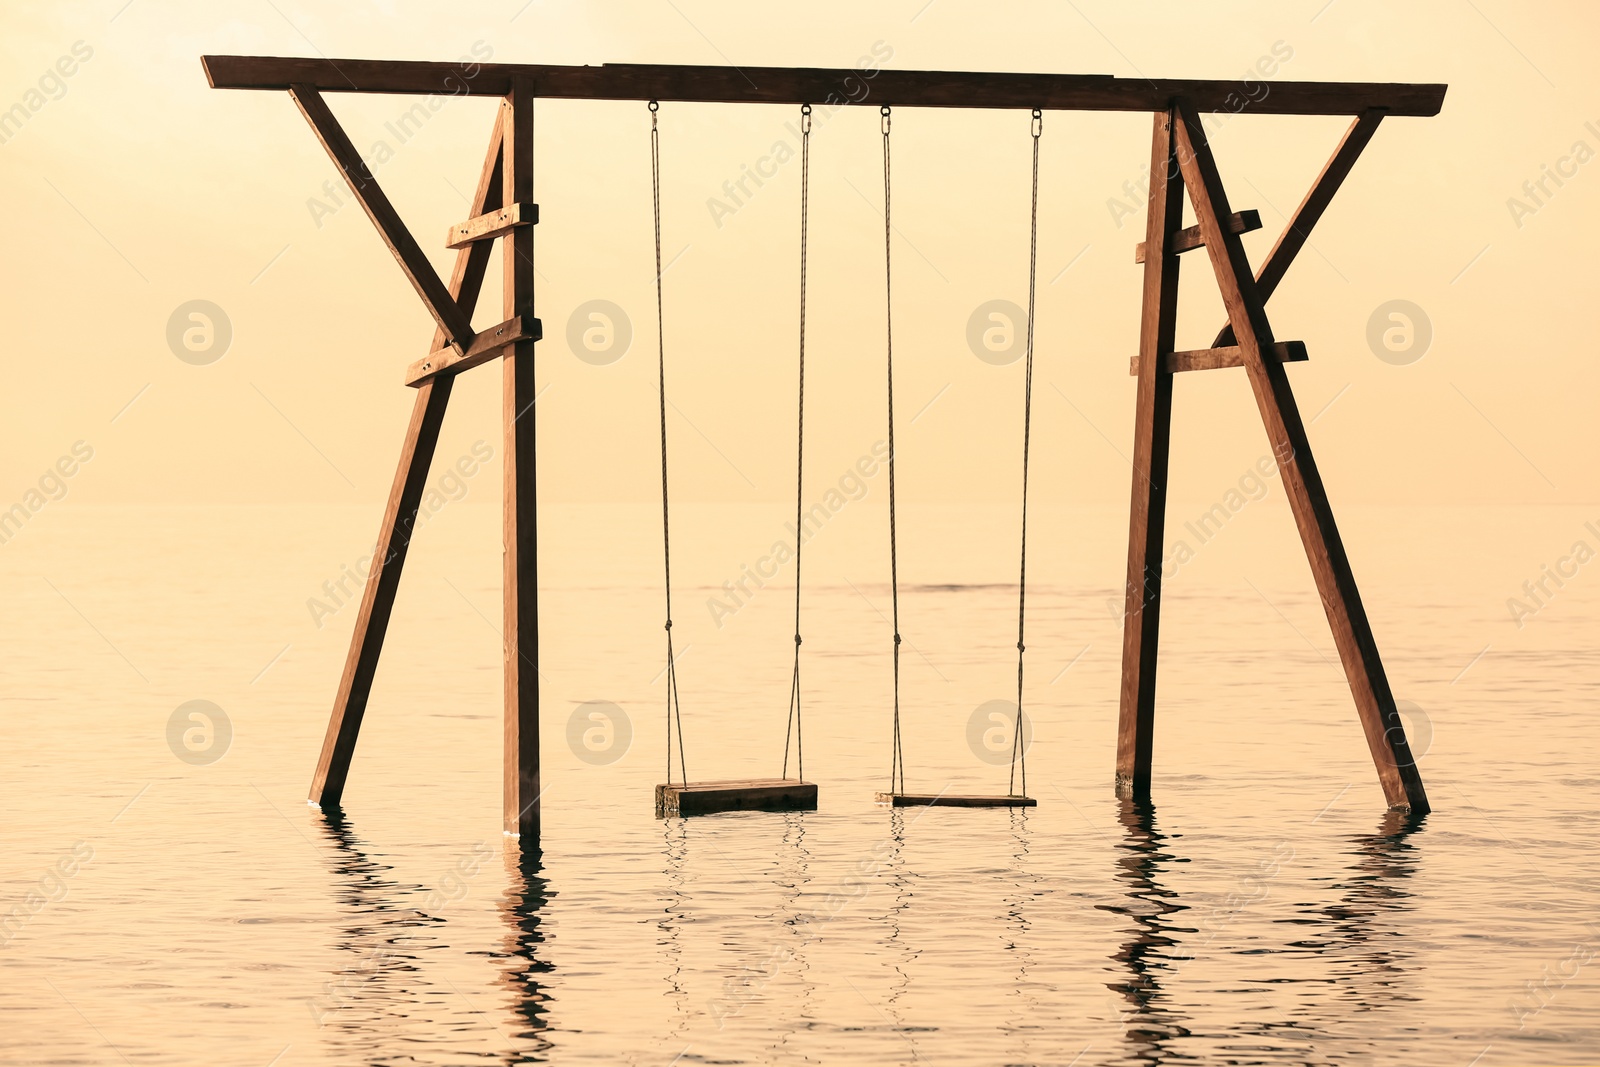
{"x": 1021, "y": 647}
{"x": 897, "y": 639}
{"x": 796, "y": 639}
{"x": 668, "y": 626}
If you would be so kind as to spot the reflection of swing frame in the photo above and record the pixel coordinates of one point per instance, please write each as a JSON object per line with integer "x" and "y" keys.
{"x": 503, "y": 208}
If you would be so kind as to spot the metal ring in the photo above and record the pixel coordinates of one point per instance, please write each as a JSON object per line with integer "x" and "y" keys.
{"x": 655, "y": 106}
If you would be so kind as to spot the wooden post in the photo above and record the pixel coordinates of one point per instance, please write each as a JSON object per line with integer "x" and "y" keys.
{"x": 520, "y": 531}
{"x": 1302, "y": 482}
{"x": 1152, "y": 433}
{"x": 394, "y": 534}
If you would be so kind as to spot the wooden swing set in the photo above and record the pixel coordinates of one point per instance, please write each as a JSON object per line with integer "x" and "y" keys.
{"x": 503, "y": 209}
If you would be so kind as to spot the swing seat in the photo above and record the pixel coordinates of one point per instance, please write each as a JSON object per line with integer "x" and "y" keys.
{"x": 675, "y": 799}
{"x": 955, "y": 800}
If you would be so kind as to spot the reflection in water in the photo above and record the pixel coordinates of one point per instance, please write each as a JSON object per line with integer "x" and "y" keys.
{"x": 1361, "y": 936}
{"x": 382, "y": 1007}
{"x": 675, "y": 837}
{"x": 1027, "y": 1009}
{"x": 522, "y": 906}
{"x": 905, "y": 953}
{"x": 794, "y": 879}
{"x": 1150, "y": 1024}
{"x": 751, "y": 986}
{"x": 381, "y": 989}
{"x": 1355, "y": 940}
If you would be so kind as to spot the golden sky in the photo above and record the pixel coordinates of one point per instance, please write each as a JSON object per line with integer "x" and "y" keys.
{"x": 133, "y": 189}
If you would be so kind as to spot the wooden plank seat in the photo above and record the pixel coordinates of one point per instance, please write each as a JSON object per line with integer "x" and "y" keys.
{"x": 743, "y": 794}
{"x": 955, "y": 800}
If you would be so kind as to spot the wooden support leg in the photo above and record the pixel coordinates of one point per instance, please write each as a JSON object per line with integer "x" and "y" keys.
{"x": 394, "y": 536}
{"x": 1302, "y": 482}
{"x": 377, "y": 601}
{"x": 1152, "y": 433}
{"x": 521, "y": 653}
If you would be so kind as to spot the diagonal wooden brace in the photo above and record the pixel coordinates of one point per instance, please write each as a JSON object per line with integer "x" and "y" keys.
{"x": 1308, "y": 498}
{"x": 1298, "y": 231}
{"x": 453, "y": 321}
{"x": 399, "y": 518}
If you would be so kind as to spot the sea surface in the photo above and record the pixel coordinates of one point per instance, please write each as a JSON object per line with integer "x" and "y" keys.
{"x": 170, "y": 898}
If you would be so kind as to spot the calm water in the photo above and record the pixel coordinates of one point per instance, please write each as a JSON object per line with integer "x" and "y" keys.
{"x": 1265, "y": 910}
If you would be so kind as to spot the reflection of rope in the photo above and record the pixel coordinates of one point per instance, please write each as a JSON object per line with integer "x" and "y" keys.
{"x": 794, "y": 837}
{"x": 676, "y": 845}
{"x": 1029, "y": 1003}
{"x": 674, "y": 708}
{"x": 897, "y": 763}
{"x": 800, "y": 453}
{"x": 1019, "y": 749}
{"x": 901, "y": 882}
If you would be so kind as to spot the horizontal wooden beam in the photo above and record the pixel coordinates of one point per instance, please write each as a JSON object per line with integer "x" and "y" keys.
{"x": 486, "y": 345}
{"x": 811, "y": 85}
{"x": 496, "y": 223}
{"x": 1188, "y": 238}
{"x": 1212, "y": 358}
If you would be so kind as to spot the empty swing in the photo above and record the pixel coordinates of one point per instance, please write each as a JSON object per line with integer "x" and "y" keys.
{"x": 1016, "y": 795}
{"x": 748, "y": 794}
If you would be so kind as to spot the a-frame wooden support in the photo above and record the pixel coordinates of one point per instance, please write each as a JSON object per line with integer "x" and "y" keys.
{"x": 501, "y": 208}
{"x": 1181, "y": 160}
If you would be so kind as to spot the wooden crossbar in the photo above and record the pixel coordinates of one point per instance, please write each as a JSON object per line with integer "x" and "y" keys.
{"x": 1230, "y": 356}
{"x": 813, "y": 85}
{"x": 1189, "y": 238}
{"x": 496, "y": 223}
{"x": 486, "y": 345}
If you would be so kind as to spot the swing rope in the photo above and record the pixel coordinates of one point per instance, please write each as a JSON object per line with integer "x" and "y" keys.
{"x": 674, "y": 708}
{"x": 793, "y": 727}
{"x": 897, "y": 764}
{"x": 1019, "y": 750}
